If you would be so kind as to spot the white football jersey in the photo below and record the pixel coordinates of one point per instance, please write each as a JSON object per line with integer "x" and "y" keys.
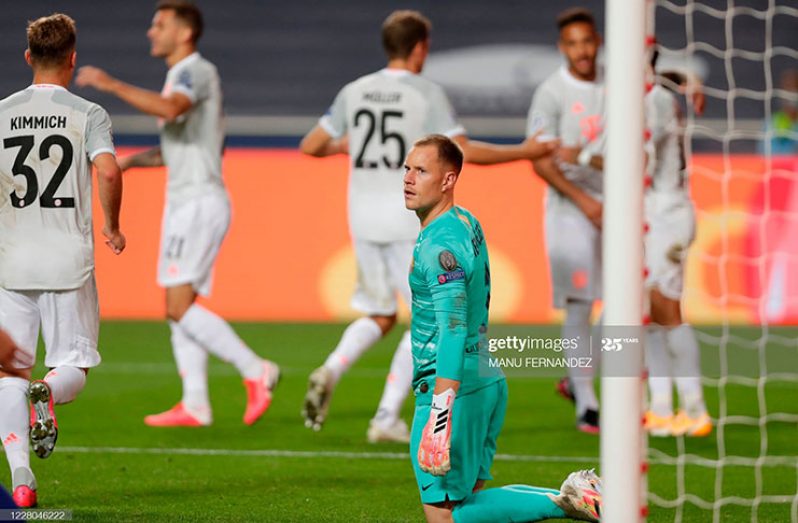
{"x": 191, "y": 144}
{"x": 49, "y": 139}
{"x": 572, "y": 111}
{"x": 384, "y": 113}
{"x": 664, "y": 124}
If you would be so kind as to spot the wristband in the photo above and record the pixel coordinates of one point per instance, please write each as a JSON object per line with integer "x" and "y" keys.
{"x": 584, "y": 158}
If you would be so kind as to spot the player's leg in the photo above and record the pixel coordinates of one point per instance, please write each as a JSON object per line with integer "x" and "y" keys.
{"x": 194, "y": 408}
{"x": 678, "y": 227}
{"x": 692, "y": 418}
{"x": 374, "y": 296}
{"x": 484, "y": 417}
{"x": 14, "y": 427}
{"x": 509, "y": 503}
{"x": 660, "y": 384}
{"x": 193, "y": 235}
{"x": 19, "y": 316}
{"x": 386, "y": 424}
{"x": 212, "y": 332}
{"x": 577, "y": 326}
{"x": 70, "y": 330}
{"x": 573, "y": 246}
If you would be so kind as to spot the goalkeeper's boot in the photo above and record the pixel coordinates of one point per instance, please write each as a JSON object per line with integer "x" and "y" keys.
{"x": 43, "y": 425}
{"x": 25, "y": 488}
{"x": 259, "y": 392}
{"x": 658, "y": 426}
{"x": 684, "y": 425}
{"x": 180, "y": 416}
{"x": 588, "y": 422}
{"x": 580, "y": 496}
{"x": 317, "y": 399}
{"x": 566, "y": 389}
{"x": 381, "y": 431}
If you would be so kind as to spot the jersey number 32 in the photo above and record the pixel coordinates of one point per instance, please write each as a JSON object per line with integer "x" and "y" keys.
{"x": 48, "y": 198}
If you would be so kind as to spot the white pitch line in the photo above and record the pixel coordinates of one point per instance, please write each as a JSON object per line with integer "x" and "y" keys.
{"x": 276, "y": 453}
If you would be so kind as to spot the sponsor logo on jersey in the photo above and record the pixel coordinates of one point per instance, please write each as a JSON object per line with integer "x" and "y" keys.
{"x": 457, "y": 274}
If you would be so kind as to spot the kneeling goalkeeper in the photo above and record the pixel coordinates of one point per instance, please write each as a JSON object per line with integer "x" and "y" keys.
{"x": 460, "y": 404}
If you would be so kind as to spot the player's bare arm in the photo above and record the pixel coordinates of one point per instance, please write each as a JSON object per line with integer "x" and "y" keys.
{"x": 547, "y": 169}
{"x": 109, "y": 183}
{"x": 150, "y": 102}
{"x": 483, "y": 153}
{"x": 576, "y": 156}
{"x": 149, "y": 158}
{"x": 319, "y": 143}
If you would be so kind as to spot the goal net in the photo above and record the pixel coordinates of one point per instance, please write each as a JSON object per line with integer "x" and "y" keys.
{"x": 741, "y": 283}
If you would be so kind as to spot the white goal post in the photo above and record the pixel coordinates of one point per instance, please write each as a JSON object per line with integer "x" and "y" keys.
{"x": 621, "y": 395}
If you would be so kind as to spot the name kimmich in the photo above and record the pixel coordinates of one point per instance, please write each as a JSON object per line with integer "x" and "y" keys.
{"x": 19, "y": 123}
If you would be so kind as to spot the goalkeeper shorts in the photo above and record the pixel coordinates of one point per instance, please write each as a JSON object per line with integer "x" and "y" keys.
{"x": 477, "y": 420}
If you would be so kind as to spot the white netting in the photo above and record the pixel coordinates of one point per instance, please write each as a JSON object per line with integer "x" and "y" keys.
{"x": 744, "y": 266}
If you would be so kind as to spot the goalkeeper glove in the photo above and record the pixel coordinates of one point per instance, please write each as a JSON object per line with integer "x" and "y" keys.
{"x": 436, "y": 440}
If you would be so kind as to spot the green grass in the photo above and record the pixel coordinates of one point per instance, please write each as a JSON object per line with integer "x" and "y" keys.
{"x": 138, "y": 377}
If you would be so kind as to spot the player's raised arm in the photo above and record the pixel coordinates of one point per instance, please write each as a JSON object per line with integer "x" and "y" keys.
{"x": 109, "y": 183}
{"x": 484, "y": 153}
{"x": 151, "y": 102}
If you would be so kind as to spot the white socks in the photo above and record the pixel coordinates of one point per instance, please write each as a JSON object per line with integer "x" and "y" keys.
{"x": 14, "y": 420}
{"x": 397, "y": 385}
{"x": 577, "y": 325}
{"x": 687, "y": 369}
{"x": 215, "y": 335}
{"x": 356, "y": 339}
{"x": 65, "y": 383}
{"x": 672, "y": 355}
{"x": 192, "y": 364}
{"x": 658, "y": 361}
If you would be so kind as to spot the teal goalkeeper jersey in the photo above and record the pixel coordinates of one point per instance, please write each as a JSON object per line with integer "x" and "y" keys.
{"x": 450, "y": 280}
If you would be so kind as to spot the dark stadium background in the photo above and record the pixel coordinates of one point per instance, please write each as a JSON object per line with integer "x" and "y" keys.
{"x": 289, "y": 58}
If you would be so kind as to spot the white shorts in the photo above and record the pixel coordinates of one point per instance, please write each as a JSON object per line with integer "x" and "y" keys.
{"x": 671, "y": 231}
{"x": 191, "y": 235}
{"x": 382, "y": 272}
{"x": 573, "y": 244}
{"x": 69, "y": 321}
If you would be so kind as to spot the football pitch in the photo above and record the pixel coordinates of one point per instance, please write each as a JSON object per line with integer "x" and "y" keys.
{"x": 108, "y": 466}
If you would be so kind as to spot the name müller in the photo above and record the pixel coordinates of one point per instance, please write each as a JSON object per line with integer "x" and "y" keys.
{"x": 38, "y": 122}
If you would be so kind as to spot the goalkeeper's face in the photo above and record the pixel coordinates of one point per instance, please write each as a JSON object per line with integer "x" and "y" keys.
{"x": 428, "y": 180}
{"x": 579, "y": 42}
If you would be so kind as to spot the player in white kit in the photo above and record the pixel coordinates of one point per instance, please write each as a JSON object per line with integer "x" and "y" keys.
{"x": 51, "y": 139}
{"x": 569, "y": 106}
{"x": 197, "y": 213}
{"x": 375, "y": 119}
{"x": 672, "y": 351}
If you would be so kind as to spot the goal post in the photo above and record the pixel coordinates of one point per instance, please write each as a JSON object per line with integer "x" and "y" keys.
{"x": 622, "y": 382}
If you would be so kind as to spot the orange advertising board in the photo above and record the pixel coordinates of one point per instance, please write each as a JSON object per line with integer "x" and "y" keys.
{"x": 288, "y": 257}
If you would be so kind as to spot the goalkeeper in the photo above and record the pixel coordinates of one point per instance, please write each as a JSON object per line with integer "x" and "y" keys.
{"x": 460, "y": 403}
